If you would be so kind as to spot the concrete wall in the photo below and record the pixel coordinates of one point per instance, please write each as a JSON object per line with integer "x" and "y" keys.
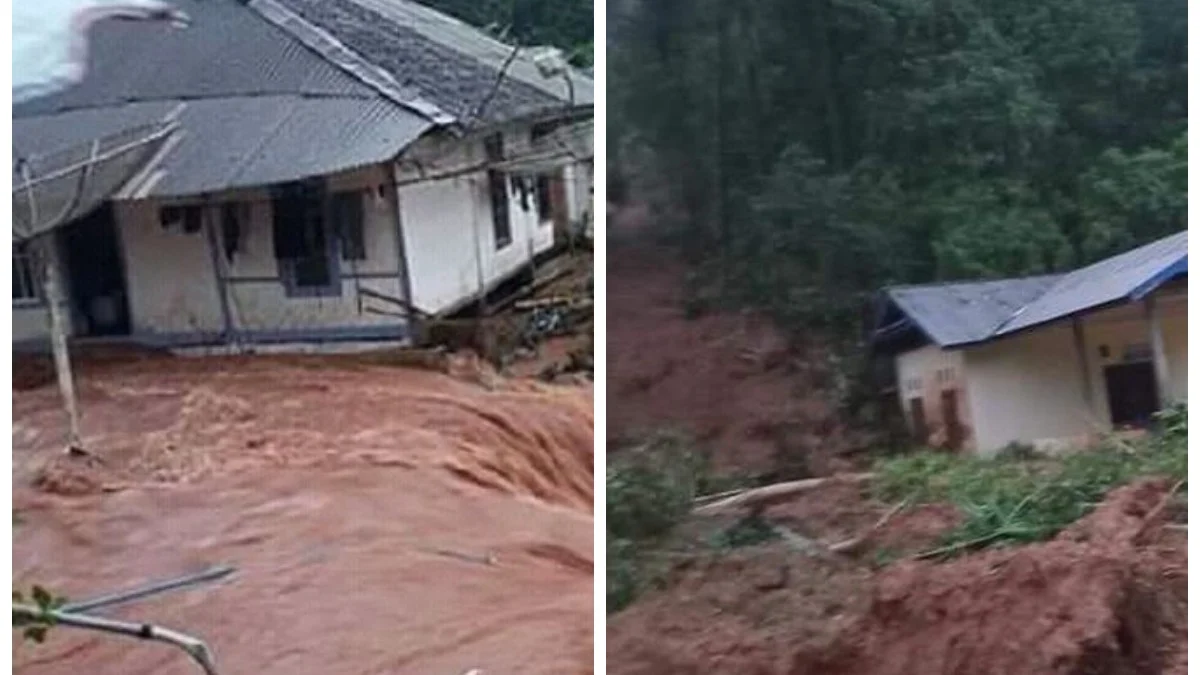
{"x": 1030, "y": 388}
{"x": 31, "y": 323}
{"x": 448, "y": 233}
{"x": 927, "y": 373}
{"x": 172, "y": 275}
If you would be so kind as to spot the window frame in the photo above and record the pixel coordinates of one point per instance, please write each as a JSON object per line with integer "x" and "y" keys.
{"x": 288, "y": 272}
{"x": 25, "y": 257}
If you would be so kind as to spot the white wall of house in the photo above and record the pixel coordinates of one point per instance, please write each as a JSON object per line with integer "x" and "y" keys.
{"x": 31, "y": 323}
{"x": 1030, "y": 388}
{"x": 448, "y": 227}
{"x": 1123, "y": 329}
{"x": 928, "y": 374}
{"x": 173, "y": 286}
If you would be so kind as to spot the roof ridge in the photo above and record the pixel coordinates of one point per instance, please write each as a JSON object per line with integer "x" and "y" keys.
{"x": 972, "y": 282}
{"x": 332, "y": 50}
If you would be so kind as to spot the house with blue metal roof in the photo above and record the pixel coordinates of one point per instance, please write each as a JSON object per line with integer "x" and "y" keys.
{"x": 337, "y": 168}
{"x": 1051, "y": 361}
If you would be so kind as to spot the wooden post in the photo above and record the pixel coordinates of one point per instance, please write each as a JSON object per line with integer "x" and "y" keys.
{"x": 55, "y": 301}
{"x": 1162, "y": 375}
{"x": 1084, "y": 370}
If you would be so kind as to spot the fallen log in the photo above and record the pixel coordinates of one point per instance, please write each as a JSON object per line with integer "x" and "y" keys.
{"x": 779, "y": 492}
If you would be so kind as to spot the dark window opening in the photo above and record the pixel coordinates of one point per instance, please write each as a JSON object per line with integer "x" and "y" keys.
{"x": 302, "y": 247}
{"x": 234, "y": 217}
{"x": 346, "y": 213}
{"x": 545, "y": 201}
{"x": 501, "y": 227}
{"x": 187, "y": 218}
{"x": 25, "y": 281}
{"x": 955, "y": 432}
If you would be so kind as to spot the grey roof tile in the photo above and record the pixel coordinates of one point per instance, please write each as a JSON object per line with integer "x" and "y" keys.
{"x": 229, "y": 50}
{"x": 449, "y": 63}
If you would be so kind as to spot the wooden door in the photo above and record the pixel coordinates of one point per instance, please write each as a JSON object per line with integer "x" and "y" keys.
{"x": 1132, "y": 394}
{"x": 920, "y": 426}
{"x": 955, "y": 434}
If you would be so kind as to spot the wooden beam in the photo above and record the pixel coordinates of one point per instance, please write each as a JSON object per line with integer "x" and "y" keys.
{"x": 1084, "y": 371}
{"x": 1162, "y": 375}
{"x": 55, "y": 300}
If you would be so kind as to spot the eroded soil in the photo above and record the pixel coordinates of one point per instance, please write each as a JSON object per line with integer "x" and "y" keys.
{"x": 382, "y": 519}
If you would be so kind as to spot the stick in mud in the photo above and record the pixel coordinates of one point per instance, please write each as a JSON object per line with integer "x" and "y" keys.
{"x": 777, "y": 492}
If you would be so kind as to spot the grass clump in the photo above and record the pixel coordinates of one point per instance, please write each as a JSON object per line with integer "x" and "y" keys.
{"x": 650, "y": 488}
{"x": 1011, "y": 500}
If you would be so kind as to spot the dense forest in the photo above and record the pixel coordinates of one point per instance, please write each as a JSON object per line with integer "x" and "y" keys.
{"x": 566, "y": 24}
{"x": 818, "y": 149}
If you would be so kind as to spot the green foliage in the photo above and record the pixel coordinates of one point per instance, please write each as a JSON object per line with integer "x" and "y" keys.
{"x": 651, "y": 487}
{"x": 34, "y": 628}
{"x": 1012, "y": 499}
{"x": 749, "y": 531}
{"x": 566, "y": 24}
{"x": 823, "y": 148}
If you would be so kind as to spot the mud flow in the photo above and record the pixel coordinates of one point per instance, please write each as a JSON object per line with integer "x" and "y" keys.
{"x": 381, "y": 519}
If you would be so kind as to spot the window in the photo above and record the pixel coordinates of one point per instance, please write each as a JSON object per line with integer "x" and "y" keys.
{"x": 545, "y": 202}
{"x": 25, "y": 281}
{"x": 346, "y": 214}
{"x": 302, "y": 245}
{"x": 501, "y": 227}
{"x": 235, "y": 217}
{"x": 189, "y": 219}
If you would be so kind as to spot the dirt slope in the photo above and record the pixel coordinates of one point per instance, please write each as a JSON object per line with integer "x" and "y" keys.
{"x": 383, "y": 520}
{"x": 1107, "y": 597}
{"x": 731, "y": 380}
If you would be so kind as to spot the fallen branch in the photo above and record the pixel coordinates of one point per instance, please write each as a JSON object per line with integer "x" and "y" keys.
{"x": 851, "y": 545}
{"x": 779, "y": 492}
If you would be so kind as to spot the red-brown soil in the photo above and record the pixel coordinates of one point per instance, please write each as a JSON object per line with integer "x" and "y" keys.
{"x": 1108, "y": 596}
{"x": 730, "y": 380}
{"x": 382, "y": 519}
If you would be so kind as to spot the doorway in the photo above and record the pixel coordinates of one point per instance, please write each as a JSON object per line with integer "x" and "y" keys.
{"x": 1132, "y": 394}
{"x": 95, "y": 275}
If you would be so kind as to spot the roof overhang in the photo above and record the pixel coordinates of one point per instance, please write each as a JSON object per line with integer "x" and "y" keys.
{"x": 58, "y": 187}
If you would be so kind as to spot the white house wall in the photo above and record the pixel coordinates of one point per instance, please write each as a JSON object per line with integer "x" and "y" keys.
{"x": 169, "y": 277}
{"x": 448, "y": 232}
{"x": 31, "y": 323}
{"x": 173, "y": 285}
{"x": 1030, "y": 389}
{"x": 927, "y": 373}
{"x": 1118, "y": 329}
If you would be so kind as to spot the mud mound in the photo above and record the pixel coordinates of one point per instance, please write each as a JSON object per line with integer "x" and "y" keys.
{"x": 739, "y": 613}
{"x": 551, "y": 460}
{"x": 1071, "y": 606}
{"x": 1107, "y": 597}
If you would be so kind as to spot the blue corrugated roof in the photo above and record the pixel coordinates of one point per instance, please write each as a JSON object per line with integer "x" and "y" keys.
{"x": 958, "y": 314}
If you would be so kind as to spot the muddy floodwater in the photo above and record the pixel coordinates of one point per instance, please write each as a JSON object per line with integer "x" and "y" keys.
{"x": 381, "y": 519}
